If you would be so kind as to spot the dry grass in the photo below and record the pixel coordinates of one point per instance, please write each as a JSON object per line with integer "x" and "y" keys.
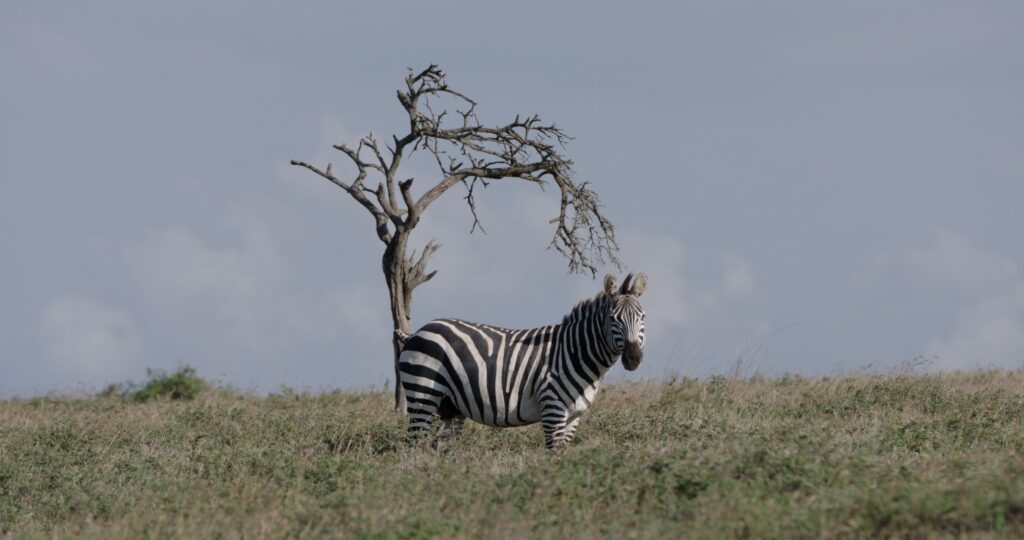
{"x": 865, "y": 456}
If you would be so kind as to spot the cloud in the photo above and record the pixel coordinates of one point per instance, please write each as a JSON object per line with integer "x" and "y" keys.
{"x": 952, "y": 261}
{"x": 672, "y": 302}
{"x": 507, "y": 258}
{"x": 87, "y": 340}
{"x": 508, "y": 276}
{"x": 988, "y": 333}
{"x": 239, "y": 307}
{"x": 234, "y": 284}
{"x": 738, "y": 278}
{"x": 989, "y": 327}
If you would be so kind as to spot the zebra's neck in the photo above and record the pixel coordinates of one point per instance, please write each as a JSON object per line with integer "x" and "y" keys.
{"x": 584, "y": 350}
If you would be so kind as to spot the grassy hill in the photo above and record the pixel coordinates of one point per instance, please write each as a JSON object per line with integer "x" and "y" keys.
{"x": 863, "y": 456}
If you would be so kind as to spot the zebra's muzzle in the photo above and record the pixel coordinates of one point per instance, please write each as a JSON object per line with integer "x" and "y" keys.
{"x": 631, "y": 356}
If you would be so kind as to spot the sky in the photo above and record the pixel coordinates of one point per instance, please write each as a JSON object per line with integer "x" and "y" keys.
{"x": 812, "y": 187}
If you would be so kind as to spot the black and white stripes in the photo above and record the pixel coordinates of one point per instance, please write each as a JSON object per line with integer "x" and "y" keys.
{"x": 456, "y": 369}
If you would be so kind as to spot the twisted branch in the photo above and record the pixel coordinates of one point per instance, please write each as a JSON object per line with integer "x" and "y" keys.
{"x": 468, "y": 152}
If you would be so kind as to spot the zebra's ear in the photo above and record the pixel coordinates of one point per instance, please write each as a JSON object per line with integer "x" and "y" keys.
{"x": 627, "y": 284}
{"x": 639, "y": 284}
{"x": 611, "y": 285}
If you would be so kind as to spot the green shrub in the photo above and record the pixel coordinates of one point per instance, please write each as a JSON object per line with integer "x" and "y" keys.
{"x": 183, "y": 384}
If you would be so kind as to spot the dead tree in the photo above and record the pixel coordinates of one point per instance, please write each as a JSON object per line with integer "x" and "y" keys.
{"x": 470, "y": 153}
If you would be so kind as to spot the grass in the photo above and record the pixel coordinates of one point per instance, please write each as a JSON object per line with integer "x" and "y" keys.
{"x": 867, "y": 456}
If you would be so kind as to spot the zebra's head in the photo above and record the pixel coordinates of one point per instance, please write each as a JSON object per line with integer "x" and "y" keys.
{"x": 624, "y": 326}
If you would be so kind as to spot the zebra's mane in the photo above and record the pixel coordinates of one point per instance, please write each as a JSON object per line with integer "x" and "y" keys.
{"x": 585, "y": 308}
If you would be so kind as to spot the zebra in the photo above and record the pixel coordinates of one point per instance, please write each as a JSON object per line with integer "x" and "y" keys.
{"x": 455, "y": 369}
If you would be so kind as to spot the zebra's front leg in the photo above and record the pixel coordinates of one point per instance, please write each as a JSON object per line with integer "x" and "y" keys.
{"x": 570, "y": 430}
{"x": 554, "y": 420}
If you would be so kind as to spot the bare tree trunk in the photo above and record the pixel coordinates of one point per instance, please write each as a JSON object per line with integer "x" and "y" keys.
{"x": 400, "y": 292}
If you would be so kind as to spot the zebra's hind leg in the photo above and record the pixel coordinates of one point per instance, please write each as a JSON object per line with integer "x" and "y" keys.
{"x": 450, "y": 430}
{"x": 421, "y": 411}
{"x": 452, "y": 421}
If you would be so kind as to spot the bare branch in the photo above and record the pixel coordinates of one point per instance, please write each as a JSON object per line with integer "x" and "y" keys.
{"x": 385, "y": 169}
{"x": 417, "y": 269}
{"x": 325, "y": 173}
{"x": 390, "y": 210}
{"x": 471, "y": 201}
{"x": 355, "y": 190}
{"x": 371, "y": 143}
{"x": 582, "y": 233}
{"x": 414, "y": 215}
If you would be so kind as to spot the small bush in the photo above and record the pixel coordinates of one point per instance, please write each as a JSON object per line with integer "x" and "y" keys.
{"x": 183, "y": 384}
{"x": 115, "y": 390}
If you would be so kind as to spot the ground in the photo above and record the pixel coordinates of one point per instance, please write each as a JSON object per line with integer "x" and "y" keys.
{"x": 860, "y": 456}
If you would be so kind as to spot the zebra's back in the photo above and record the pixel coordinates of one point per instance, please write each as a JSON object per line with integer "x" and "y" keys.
{"x": 486, "y": 373}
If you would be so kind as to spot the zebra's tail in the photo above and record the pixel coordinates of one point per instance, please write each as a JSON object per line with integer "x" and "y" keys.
{"x": 400, "y": 339}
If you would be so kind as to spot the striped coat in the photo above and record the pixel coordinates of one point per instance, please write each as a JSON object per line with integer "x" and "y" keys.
{"x": 456, "y": 369}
